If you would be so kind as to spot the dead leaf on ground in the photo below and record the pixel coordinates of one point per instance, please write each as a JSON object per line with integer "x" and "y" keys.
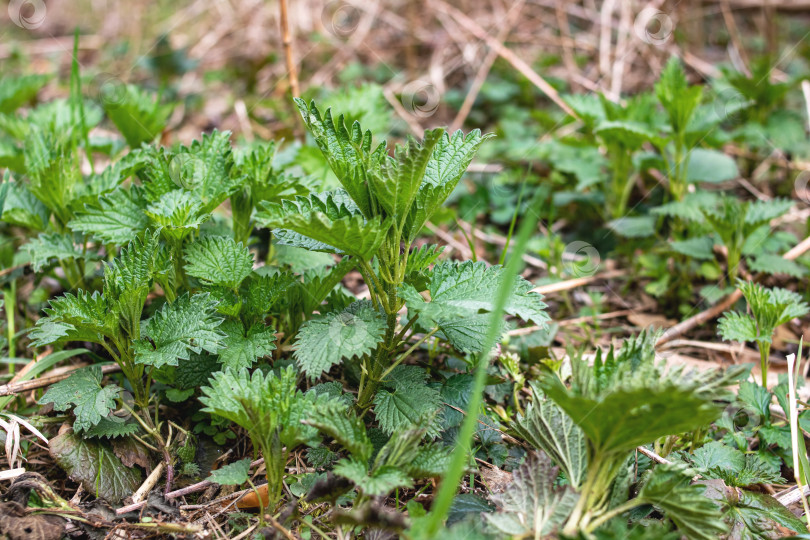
{"x": 645, "y": 320}
{"x": 497, "y": 480}
{"x": 131, "y": 452}
{"x": 16, "y": 524}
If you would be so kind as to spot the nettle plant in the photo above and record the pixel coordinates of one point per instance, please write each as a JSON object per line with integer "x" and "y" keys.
{"x": 588, "y": 432}
{"x": 372, "y": 222}
{"x": 769, "y": 309}
{"x": 742, "y": 228}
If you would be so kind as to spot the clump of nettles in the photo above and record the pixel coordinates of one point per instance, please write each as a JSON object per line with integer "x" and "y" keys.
{"x": 372, "y": 222}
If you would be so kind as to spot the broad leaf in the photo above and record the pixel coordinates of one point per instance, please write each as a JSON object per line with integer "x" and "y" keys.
{"x": 232, "y": 474}
{"x": 54, "y": 246}
{"x": 549, "y": 429}
{"x": 380, "y": 482}
{"x": 242, "y": 348}
{"x": 190, "y": 324}
{"x": 326, "y": 341}
{"x": 460, "y": 291}
{"x": 396, "y": 182}
{"x": 218, "y": 260}
{"x": 117, "y": 218}
{"x": 91, "y": 402}
{"x": 668, "y": 488}
{"x": 533, "y": 505}
{"x": 345, "y": 427}
{"x": 94, "y": 464}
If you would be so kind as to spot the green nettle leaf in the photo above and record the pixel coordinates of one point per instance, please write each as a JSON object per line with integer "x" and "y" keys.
{"x": 770, "y": 263}
{"x": 348, "y": 152}
{"x": 698, "y": 248}
{"x": 115, "y": 219}
{"x": 21, "y": 207}
{"x": 80, "y": 317}
{"x": 451, "y": 157}
{"x": 459, "y": 292}
{"x": 713, "y": 166}
{"x": 736, "y": 326}
{"x": 205, "y": 169}
{"x": 128, "y": 280}
{"x": 532, "y": 505}
{"x": 242, "y": 348}
{"x": 177, "y": 213}
{"x": 16, "y": 91}
{"x": 549, "y": 429}
{"x": 137, "y": 114}
{"x": 431, "y": 461}
{"x": 271, "y": 409}
{"x": 625, "y": 418}
{"x": 717, "y": 455}
{"x": 54, "y": 175}
{"x": 111, "y": 427}
{"x": 770, "y": 308}
{"x": 345, "y": 427}
{"x": 633, "y": 226}
{"x": 326, "y": 341}
{"x": 189, "y": 324}
{"x": 352, "y": 235}
{"x": 83, "y": 391}
{"x": 396, "y": 182}
{"x": 753, "y": 516}
{"x": 467, "y": 288}
{"x": 61, "y": 247}
{"x": 219, "y": 260}
{"x": 196, "y": 372}
{"x": 678, "y": 98}
{"x": 232, "y": 474}
{"x": 628, "y": 134}
{"x": 668, "y": 488}
{"x": 627, "y": 399}
{"x": 760, "y": 212}
{"x": 406, "y": 406}
{"x": 419, "y": 260}
{"x": 261, "y": 293}
{"x": 756, "y": 398}
{"x": 381, "y": 481}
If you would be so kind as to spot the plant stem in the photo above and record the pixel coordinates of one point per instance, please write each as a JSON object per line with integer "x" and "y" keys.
{"x": 10, "y": 302}
{"x": 407, "y": 353}
{"x": 764, "y": 353}
{"x": 612, "y": 513}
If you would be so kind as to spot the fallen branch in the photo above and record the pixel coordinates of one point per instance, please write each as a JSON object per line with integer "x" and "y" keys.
{"x": 577, "y": 282}
{"x": 199, "y": 486}
{"x": 24, "y": 386}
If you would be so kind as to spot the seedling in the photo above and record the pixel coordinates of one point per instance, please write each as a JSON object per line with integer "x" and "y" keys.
{"x": 769, "y": 309}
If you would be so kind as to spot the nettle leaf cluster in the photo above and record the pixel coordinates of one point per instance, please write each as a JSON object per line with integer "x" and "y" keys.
{"x": 588, "y": 432}
{"x": 373, "y": 221}
{"x": 768, "y": 309}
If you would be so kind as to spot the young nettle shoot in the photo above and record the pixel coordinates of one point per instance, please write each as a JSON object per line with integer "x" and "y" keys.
{"x": 768, "y": 309}
{"x": 590, "y": 429}
{"x": 374, "y": 220}
{"x": 271, "y": 409}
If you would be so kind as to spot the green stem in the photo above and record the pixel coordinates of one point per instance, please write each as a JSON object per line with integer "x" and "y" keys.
{"x": 612, "y": 513}
{"x": 407, "y": 353}
{"x": 378, "y": 361}
{"x": 10, "y": 302}
{"x": 764, "y": 354}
